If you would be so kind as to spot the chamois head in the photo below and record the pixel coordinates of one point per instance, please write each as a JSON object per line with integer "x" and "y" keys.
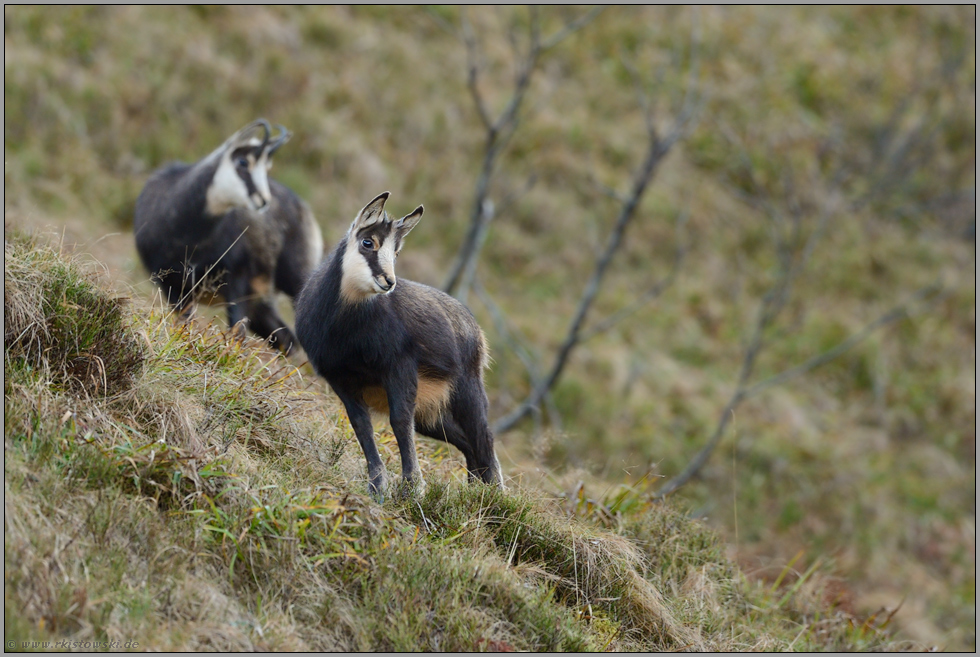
{"x": 240, "y": 179}
{"x": 372, "y": 243}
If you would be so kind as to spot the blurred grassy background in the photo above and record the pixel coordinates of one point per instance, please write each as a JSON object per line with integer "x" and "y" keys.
{"x": 867, "y": 463}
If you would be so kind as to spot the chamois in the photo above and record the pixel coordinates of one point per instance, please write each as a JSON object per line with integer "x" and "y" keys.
{"x": 398, "y": 348}
{"x": 222, "y": 220}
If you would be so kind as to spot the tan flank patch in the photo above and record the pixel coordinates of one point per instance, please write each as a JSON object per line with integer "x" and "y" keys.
{"x": 262, "y": 286}
{"x": 430, "y": 400}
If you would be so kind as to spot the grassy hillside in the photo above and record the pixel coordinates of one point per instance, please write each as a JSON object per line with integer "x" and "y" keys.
{"x": 856, "y": 125}
{"x": 165, "y": 486}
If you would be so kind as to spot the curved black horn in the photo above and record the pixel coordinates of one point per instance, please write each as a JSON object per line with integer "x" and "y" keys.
{"x": 283, "y": 137}
{"x": 268, "y": 131}
{"x": 245, "y": 133}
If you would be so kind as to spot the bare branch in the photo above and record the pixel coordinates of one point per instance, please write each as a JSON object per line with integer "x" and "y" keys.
{"x": 652, "y": 293}
{"x": 441, "y": 22}
{"x": 642, "y": 179}
{"x": 743, "y": 392}
{"x": 571, "y": 28}
{"x": 898, "y": 312}
{"x": 469, "y": 266}
{"x": 501, "y": 325}
{"x": 771, "y": 305}
{"x": 642, "y": 99}
{"x": 693, "y": 99}
{"x": 793, "y": 254}
{"x": 499, "y": 132}
{"x": 489, "y": 211}
{"x": 768, "y": 310}
{"x": 513, "y": 197}
{"x": 702, "y": 457}
{"x": 605, "y": 189}
{"x": 473, "y": 70}
{"x": 657, "y": 149}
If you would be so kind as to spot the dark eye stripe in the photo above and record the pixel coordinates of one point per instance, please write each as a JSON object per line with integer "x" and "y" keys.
{"x": 246, "y": 177}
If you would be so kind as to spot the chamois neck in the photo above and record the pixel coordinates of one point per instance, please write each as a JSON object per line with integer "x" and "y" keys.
{"x": 191, "y": 198}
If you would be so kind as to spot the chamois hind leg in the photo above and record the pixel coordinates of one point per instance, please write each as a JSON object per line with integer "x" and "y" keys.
{"x": 266, "y": 322}
{"x": 360, "y": 420}
{"x": 464, "y": 425}
{"x": 446, "y": 430}
{"x": 469, "y": 406}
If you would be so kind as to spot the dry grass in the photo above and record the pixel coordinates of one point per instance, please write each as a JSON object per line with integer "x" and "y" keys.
{"x": 214, "y": 502}
{"x": 867, "y": 464}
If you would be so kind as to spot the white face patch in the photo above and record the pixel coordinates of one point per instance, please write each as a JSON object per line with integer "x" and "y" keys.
{"x": 386, "y": 259}
{"x": 227, "y": 189}
{"x": 370, "y": 271}
{"x": 357, "y": 283}
{"x": 260, "y": 178}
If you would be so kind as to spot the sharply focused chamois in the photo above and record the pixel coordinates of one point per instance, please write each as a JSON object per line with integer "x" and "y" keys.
{"x": 397, "y": 348}
{"x": 223, "y": 222}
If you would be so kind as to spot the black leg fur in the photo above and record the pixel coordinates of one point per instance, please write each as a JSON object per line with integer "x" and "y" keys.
{"x": 266, "y": 322}
{"x": 360, "y": 420}
{"x": 401, "y": 390}
{"x": 465, "y": 427}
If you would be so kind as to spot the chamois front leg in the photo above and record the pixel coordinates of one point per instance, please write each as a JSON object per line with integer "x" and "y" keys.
{"x": 360, "y": 420}
{"x": 236, "y": 293}
{"x": 180, "y": 294}
{"x": 401, "y": 390}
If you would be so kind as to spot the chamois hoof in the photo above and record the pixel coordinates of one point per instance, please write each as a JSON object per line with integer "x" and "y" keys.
{"x": 414, "y": 487}
{"x": 378, "y": 488}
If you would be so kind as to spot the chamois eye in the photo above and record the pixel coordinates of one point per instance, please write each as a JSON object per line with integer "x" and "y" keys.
{"x": 242, "y": 162}
{"x": 367, "y": 244}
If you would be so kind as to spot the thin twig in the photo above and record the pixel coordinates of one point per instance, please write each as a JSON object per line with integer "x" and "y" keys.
{"x": 652, "y": 293}
{"x": 189, "y": 292}
{"x": 743, "y": 391}
{"x": 642, "y": 179}
{"x": 773, "y": 302}
{"x": 571, "y": 28}
{"x": 499, "y": 132}
{"x": 657, "y": 149}
{"x": 895, "y": 314}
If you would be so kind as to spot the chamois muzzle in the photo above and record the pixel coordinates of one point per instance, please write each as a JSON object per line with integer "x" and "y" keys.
{"x": 385, "y": 282}
{"x": 259, "y": 202}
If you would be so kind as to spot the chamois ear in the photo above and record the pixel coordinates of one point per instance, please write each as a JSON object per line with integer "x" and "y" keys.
{"x": 408, "y": 222}
{"x": 372, "y": 213}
